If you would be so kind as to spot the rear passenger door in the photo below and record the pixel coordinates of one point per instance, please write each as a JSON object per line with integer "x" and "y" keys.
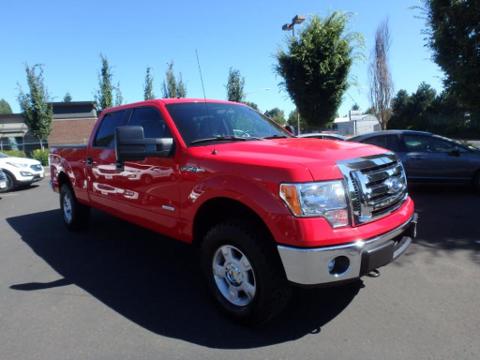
{"x": 104, "y": 182}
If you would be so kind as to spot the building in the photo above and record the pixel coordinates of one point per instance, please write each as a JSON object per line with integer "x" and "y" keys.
{"x": 356, "y": 123}
{"x": 72, "y": 123}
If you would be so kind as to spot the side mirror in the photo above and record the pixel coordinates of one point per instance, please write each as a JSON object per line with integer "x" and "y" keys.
{"x": 290, "y": 129}
{"x": 131, "y": 145}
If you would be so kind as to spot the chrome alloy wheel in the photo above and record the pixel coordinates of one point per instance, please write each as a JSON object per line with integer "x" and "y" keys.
{"x": 233, "y": 275}
{"x": 67, "y": 208}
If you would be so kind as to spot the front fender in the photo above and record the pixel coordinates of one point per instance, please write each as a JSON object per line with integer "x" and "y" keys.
{"x": 262, "y": 198}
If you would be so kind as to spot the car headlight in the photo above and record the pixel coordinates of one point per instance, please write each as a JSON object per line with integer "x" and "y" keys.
{"x": 17, "y": 165}
{"x": 326, "y": 199}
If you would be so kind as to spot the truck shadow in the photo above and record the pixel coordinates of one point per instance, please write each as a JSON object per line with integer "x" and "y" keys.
{"x": 154, "y": 282}
{"x": 448, "y": 220}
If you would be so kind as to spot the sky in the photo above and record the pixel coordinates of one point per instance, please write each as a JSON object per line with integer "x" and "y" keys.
{"x": 68, "y": 36}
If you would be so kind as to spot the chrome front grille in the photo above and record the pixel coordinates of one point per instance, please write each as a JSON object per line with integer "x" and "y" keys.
{"x": 376, "y": 186}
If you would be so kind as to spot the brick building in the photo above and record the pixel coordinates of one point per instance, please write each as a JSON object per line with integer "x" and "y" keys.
{"x": 71, "y": 124}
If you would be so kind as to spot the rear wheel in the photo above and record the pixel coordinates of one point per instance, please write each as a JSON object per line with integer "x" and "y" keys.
{"x": 10, "y": 182}
{"x": 244, "y": 273}
{"x": 75, "y": 215}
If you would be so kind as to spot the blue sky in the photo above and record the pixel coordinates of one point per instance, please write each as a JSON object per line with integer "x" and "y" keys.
{"x": 68, "y": 36}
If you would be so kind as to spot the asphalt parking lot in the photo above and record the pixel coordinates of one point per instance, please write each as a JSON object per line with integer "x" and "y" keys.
{"x": 120, "y": 292}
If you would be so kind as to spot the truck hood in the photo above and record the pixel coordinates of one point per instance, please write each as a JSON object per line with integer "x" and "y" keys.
{"x": 320, "y": 157}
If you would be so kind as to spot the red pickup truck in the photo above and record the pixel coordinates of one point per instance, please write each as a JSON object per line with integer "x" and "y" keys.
{"x": 265, "y": 209}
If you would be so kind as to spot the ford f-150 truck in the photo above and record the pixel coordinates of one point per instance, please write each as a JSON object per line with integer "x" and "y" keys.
{"x": 265, "y": 209}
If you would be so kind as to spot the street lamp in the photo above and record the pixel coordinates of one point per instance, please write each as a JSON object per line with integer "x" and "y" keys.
{"x": 297, "y": 20}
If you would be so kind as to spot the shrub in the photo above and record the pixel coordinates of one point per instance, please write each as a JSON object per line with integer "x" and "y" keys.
{"x": 41, "y": 155}
{"x": 17, "y": 153}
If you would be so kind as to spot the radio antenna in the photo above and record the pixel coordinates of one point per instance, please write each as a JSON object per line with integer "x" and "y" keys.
{"x": 201, "y": 76}
{"x": 214, "y": 151}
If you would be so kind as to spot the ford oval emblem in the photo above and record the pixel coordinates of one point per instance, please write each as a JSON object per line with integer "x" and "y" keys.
{"x": 394, "y": 185}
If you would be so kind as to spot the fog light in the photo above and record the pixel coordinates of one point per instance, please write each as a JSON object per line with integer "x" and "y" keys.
{"x": 338, "y": 266}
{"x": 26, "y": 173}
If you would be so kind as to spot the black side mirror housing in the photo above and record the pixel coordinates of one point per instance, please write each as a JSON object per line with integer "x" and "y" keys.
{"x": 131, "y": 145}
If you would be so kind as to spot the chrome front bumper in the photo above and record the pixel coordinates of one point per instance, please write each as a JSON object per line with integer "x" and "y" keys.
{"x": 314, "y": 266}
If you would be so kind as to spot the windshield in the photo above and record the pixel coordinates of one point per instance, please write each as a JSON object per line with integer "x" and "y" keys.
{"x": 221, "y": 122}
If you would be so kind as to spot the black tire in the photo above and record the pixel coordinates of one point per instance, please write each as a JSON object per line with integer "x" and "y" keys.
{"x": 75, "y": 215}
{"x": 272, "y": 290}
{"x": 10, "y": 182}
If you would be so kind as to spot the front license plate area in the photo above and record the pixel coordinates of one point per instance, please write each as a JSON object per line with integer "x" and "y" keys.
{"x": 375, "y": 258}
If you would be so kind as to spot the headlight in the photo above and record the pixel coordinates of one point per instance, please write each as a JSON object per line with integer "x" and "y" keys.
{"x": 326, "y": 199}
{"x": 17, "y": 165}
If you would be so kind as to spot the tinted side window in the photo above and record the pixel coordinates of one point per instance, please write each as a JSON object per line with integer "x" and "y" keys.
{"x": 376, "y": 140}
{"x": 439, "y": 145}
{"x": 106, "y": 133}
{"x": 391, "y": 143}
{"x": 153, "y": 124}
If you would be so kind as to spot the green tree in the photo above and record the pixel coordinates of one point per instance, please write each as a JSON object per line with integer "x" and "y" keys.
{"x": 235, "y": 84}
{"x": 5, "y": 107}
{"x": 251, "y": 104}
{"x": 118, "y": 95}
{"x": 454, "y": 36}
{"x": 104, "y": 97}
{"x": 355, "y": 107}
{"x": 34, "y": 104}
{"x": 148, "y": 87}
{"x": 67, "y": 97}
{"x": 316, "y": 65}
{"x": 276, "y": 115}
{"x": 425, "y": 110}
{"x": 181, "y": 88}
{"x": 293, "y": 118}
{"x": 171, "y": 87}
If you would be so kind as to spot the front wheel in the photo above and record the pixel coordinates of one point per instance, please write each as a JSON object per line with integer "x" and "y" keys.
{"x": 75, "y": 215}
{"x": 244, "y": 273}
{"x": 10, "y": 183}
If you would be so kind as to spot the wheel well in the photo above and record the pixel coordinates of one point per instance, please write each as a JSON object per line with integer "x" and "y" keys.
{"x": 218, "y": 210}
{"x": 63, "y": 179}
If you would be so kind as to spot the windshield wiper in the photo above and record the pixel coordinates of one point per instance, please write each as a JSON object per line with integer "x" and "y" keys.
{"x": 275, "y": 137}
{"x": 221, "y": 138}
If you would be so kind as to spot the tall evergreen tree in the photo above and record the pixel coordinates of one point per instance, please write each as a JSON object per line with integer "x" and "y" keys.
{"x": 5, "y": 107}
{"x": 104, "y": 97}
{"x": 181, "y": 88}
{"x": 171, "y": 87}
{"x": 34, "y": 104}
{"x": 148, "y": 87}
{"x": 118, "y": 95}
{"x": 235, "y": 84}
{"x": 67, "y": 97}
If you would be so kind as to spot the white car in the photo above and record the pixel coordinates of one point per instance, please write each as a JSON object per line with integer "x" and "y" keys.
{"x": 20, "y": 171}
